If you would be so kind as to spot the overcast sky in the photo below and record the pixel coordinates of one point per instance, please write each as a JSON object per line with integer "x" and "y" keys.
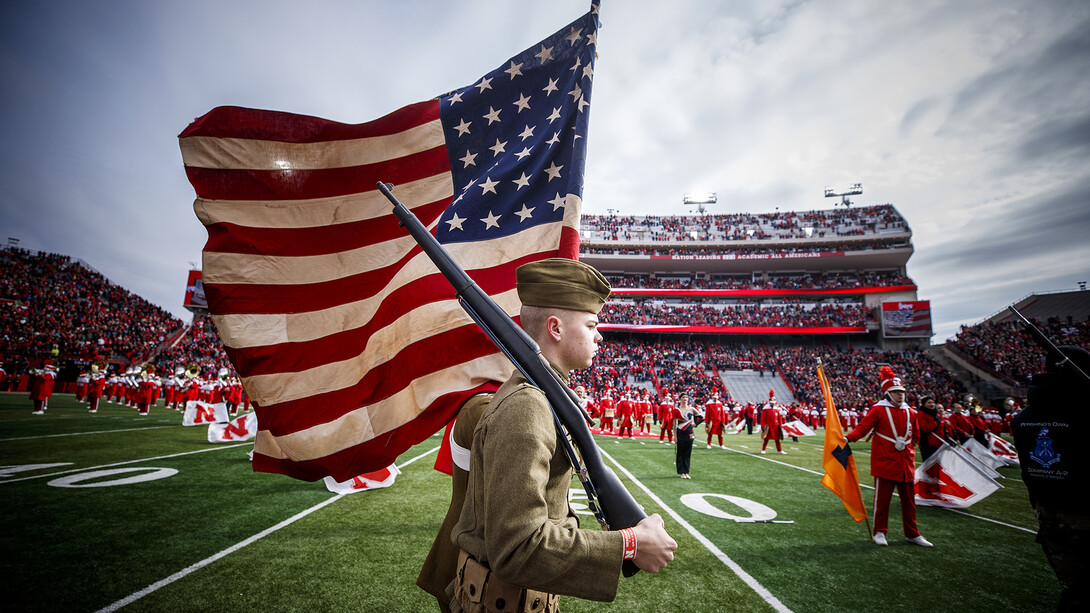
{"x": 971, "y": 117}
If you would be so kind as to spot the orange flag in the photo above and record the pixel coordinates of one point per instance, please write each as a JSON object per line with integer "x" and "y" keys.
{"x": 841, "y": 476}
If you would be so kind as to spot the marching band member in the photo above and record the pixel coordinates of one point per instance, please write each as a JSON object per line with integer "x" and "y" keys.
{"x": 96, "y": 387}
{"x": 42, "y": 389}
{"x": 646, "y": 412}
{"x": 932, "y": 428}
{"x": 893, "y": 457}
{"x": 82, "y": 381}
{"x": 771, "y": 422}
{"x": 625, "y": 409}
{"x": 667, "y": 415}
{"x": 608, "y": 411}
{"x": 686, "y": 419}
{"x": 714, "y": 419}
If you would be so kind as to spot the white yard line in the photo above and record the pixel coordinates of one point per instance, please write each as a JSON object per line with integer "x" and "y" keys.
{"x": 162, "y": 457}
{"x": 724, "y": 558}
{"x": 233, "y": 548}
{"x": 27, "y": 438}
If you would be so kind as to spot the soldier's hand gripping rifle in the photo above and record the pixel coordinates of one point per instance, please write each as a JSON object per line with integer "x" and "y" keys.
{"x": 612, "y": 504}
{"x": 1050, "y": 348}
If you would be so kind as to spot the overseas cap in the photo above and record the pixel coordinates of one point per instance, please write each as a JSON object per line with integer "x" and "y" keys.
{"x": 561, "y": 283}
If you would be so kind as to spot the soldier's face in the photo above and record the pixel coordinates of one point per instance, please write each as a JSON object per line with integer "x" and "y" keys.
{"x": 579, "y": 340}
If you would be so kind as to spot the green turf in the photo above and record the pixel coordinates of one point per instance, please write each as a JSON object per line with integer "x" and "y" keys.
{"x": 82, "y": 549}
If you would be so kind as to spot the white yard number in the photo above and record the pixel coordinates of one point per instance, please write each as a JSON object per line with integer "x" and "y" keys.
{"x": 756, "y": 511}
{"x": 77, "y": 479}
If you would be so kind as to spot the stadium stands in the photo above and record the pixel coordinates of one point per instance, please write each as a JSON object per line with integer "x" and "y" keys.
{"x": 1007, "y": 350}
{"x": 54, "y": 306}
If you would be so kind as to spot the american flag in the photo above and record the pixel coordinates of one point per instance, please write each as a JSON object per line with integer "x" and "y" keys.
{"x": 347, "y": 338}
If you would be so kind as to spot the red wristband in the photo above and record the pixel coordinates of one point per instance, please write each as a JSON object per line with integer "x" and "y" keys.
{"x": 629, "y": 543}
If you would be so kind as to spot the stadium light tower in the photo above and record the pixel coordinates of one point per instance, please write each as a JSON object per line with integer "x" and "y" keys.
{"x": 699, "y": 199}
{"x": 832, "y": 191}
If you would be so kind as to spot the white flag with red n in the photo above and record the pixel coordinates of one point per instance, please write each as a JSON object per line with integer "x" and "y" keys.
{"x": 384, "y": 477}
{"x": 199, "y": 413}
{"x": 950, "y": 480}
{"x": 242, "y": 428}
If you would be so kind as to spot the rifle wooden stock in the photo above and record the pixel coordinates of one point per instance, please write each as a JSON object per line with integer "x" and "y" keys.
{"x": 618, "y": 508}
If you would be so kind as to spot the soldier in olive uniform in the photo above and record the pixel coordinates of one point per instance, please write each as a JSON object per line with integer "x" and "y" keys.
{"x": 521, "y": 541}
{"x": 438, "y": 569}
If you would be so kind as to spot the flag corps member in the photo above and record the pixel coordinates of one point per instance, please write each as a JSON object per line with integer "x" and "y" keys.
{"x": 520, "y": 539}
{"x": 893, "y": 457}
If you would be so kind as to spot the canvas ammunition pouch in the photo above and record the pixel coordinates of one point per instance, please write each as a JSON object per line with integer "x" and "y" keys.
{"x": 478, "y": 590}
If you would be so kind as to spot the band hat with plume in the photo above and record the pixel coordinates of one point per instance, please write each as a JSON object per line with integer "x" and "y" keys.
{"x": 890, "y": 381}
{"x": 561, "y": 283}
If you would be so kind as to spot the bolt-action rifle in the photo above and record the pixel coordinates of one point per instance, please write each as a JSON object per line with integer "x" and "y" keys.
{"x": 612, "y": 504}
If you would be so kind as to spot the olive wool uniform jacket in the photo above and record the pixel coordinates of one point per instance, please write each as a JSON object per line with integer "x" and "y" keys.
{"x": 439, "y": 567}
{"x": 516, "y": 517}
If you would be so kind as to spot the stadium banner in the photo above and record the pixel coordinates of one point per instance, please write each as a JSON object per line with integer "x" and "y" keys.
{"x": 950, "y": 480}
{"x": 906, "y": 319}
{"x": 199, "y": 413}
{"x": 796, "y": 428}
{"x": 351, "y": 343}
{"x": 194, "y": 292}
{"x": 242, "y": 428}
{"x": 750, "y": 256}
{"x": 373, "y": 480}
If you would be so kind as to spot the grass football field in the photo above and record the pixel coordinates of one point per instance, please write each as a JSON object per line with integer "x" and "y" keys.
{"x": 115, "y": 511}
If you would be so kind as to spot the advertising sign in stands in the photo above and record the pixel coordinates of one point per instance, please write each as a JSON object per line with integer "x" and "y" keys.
{"x": 906, "y": 319}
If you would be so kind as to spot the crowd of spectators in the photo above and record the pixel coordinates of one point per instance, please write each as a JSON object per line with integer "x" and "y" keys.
{"x": 780, "y": 315}
{"x": 53, "y": 306}
{"x": 816, "y": 280}
{"x": 674, "y": 366}
{"x": 1007, "y": 349}
{"x": 743, "y": 226}
{"x": 853, "y": 374}
{"x": 709, "y": 251}
{"x": 201, "y": 345}
{"x": 694, "y": 366}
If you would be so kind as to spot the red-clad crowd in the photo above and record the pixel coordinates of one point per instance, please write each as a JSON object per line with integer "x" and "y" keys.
{"x": 746, "y": 226}
{"x": 52, "y": 305}
{"x": 747, "y": 314}
{"x": 717, "y": 252}
{"x": 693, "y": 366}
{"x": 818, "y": 280}
{"x": 1007, "y": 349}
{"x": 201, "y": 345}
{"x": 850, "y": 371}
